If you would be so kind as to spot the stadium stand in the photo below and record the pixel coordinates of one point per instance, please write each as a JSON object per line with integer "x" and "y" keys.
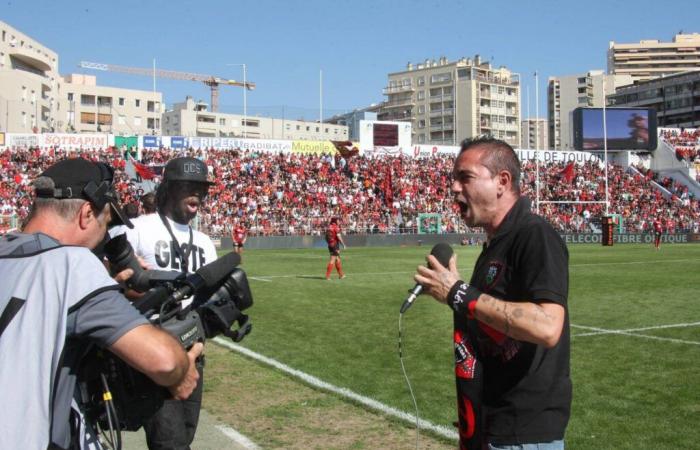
{"x": 294, "y": 194}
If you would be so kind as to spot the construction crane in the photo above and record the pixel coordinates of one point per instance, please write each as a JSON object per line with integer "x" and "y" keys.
{"x": 210, "y": 80}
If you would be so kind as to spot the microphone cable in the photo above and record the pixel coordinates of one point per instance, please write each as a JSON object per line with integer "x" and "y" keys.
{"x": 408, "y": 382}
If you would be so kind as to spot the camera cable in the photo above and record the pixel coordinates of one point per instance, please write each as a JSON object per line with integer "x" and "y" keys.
{"x": 115, "y": 438}
{"x": 408, "y": 382}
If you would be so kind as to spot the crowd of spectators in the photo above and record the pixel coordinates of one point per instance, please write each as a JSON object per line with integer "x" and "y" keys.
{"x": 296, "y": 194}
{"x": 686, "y": 143}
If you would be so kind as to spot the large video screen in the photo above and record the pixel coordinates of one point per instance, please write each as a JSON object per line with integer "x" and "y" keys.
{"x": 627, "y": 129}
{"x": 386, "y": 135}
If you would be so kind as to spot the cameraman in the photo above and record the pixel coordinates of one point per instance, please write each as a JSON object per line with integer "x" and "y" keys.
{"x": 166, "y": 241}
{"x": 58, "y": 299}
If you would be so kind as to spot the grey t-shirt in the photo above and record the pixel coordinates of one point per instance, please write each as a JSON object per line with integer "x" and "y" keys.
{"x": 55, "y": 302}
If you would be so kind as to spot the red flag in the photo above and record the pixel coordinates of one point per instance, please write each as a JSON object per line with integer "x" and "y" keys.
{"x": 144, "y": 171}
{"x": 345, "y": 148}
{"x": 388, "y": 189}
{"x": 568, "y": 173}
{"x": 134, "y": 168}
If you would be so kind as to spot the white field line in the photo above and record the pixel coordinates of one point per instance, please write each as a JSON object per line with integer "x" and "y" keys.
{"x": 631, "y": 332}
{"x": 343, "y": 392}
{"x": 622, "y": 263}
{"x": 237, "y": 437}
{"x": 260, "y": 279}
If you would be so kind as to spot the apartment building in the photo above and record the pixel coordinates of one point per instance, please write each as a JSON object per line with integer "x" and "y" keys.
{"x": 675, "y": 98}
{"x": 191, "y": 118}
{"x": 87, "y": 107}
{"x": 650, "y": 59}
{"x": 447, "y": 102}
{"x": 566, "y": 93}
{"x": 533, "y": 134}
{"x": 29, "y": 84}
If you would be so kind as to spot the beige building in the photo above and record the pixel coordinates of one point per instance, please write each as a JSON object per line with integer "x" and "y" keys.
{"x": 29, "y": 84}
{"x": 650, "y": 59}
{"x": 450, "y": 101}
{"x": 564, "y": 94}
{"x": 87, "y": 107}
{"x": 533, "y": 134}
{"x": 191, "y": 118}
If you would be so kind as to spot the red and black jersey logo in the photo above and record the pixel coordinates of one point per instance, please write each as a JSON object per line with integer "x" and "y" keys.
{"x": 465, "y": 361}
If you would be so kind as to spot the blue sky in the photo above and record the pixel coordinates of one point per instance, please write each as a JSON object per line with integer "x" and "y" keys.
{"x": 355, "y": 43}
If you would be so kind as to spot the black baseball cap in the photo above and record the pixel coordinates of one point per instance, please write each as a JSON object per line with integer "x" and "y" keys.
{"x": 186, "y": 169}
{"x": 79, "y": 178}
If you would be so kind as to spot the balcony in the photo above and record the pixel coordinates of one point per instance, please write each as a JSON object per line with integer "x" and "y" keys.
{"x": 399, "y": 103}
{"x": 397, "y": 89}
{"x": 436, "y": 112}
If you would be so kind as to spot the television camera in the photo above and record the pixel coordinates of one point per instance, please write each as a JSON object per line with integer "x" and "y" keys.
{"x": 117, "y": 397}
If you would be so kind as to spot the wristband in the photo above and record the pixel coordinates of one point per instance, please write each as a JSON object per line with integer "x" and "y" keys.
{"x": 462, "y": 298}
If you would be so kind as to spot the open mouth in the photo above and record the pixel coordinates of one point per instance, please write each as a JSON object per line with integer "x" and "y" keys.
{"x": 463, "y": 207}
{"x": 192, "y": 205}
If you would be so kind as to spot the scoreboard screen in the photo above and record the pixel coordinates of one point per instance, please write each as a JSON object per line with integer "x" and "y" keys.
{"x": 386, "y": 135}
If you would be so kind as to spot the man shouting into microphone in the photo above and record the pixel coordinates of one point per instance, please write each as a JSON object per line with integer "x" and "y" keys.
{"x": 510, "y": 320}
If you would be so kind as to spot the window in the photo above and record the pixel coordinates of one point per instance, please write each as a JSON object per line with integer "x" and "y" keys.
{"x": 421, "y": 123}
{"x": 421, "y": 95}
{"x": 421, "y": 109}
{"x": 326, "y": 130}
{"x": 24, "y": 119}
{"x": 298, "y": 127}
{"x": 87, "y": 100}
{"x": 24, "y": 93}
{"x": 316, "y": 129}
{"x": 150, "y": 106}
{"x": 70, "y": 96}
{"x": 138, "y": 102}
{"x": 104, "y": 119}
{"x": 308, "y": 128}
{"x": 222, "y": 121}
{"x": 87, "y": 117}
{"x": 440, "y": 78}
{"x": 121, "y": 101}
{"x": 421, "y": 81}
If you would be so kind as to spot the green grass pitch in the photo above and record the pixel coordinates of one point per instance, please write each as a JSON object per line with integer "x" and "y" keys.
{"x": 635, "y": 351}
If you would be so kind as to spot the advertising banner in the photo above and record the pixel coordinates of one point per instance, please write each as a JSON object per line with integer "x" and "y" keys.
{"x": 151, "y": 142}
{"x": 629, "y": 238}
{"x": 85, "y": 141}
{"x": 21, "y": 140}
{"x": 261, "y": 145}
{"x": 313, "y": 147}
{"x": 556, "y": 156}
{"x": 177, "y": 142}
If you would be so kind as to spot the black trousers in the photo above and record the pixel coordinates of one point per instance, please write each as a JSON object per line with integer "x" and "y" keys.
{"x": 173, "y": 426}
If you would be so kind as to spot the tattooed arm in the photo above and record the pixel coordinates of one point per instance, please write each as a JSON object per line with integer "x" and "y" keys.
{"x": 539, "y": 323}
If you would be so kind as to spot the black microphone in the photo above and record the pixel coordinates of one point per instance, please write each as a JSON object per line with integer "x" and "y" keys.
{"x": 443, "y": 252}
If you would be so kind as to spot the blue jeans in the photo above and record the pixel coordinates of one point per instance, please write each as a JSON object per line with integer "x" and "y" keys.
{"x": 554, "y": 445}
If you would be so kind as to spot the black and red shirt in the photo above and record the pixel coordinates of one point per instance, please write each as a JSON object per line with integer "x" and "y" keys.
{"x": 527, "y": 387}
